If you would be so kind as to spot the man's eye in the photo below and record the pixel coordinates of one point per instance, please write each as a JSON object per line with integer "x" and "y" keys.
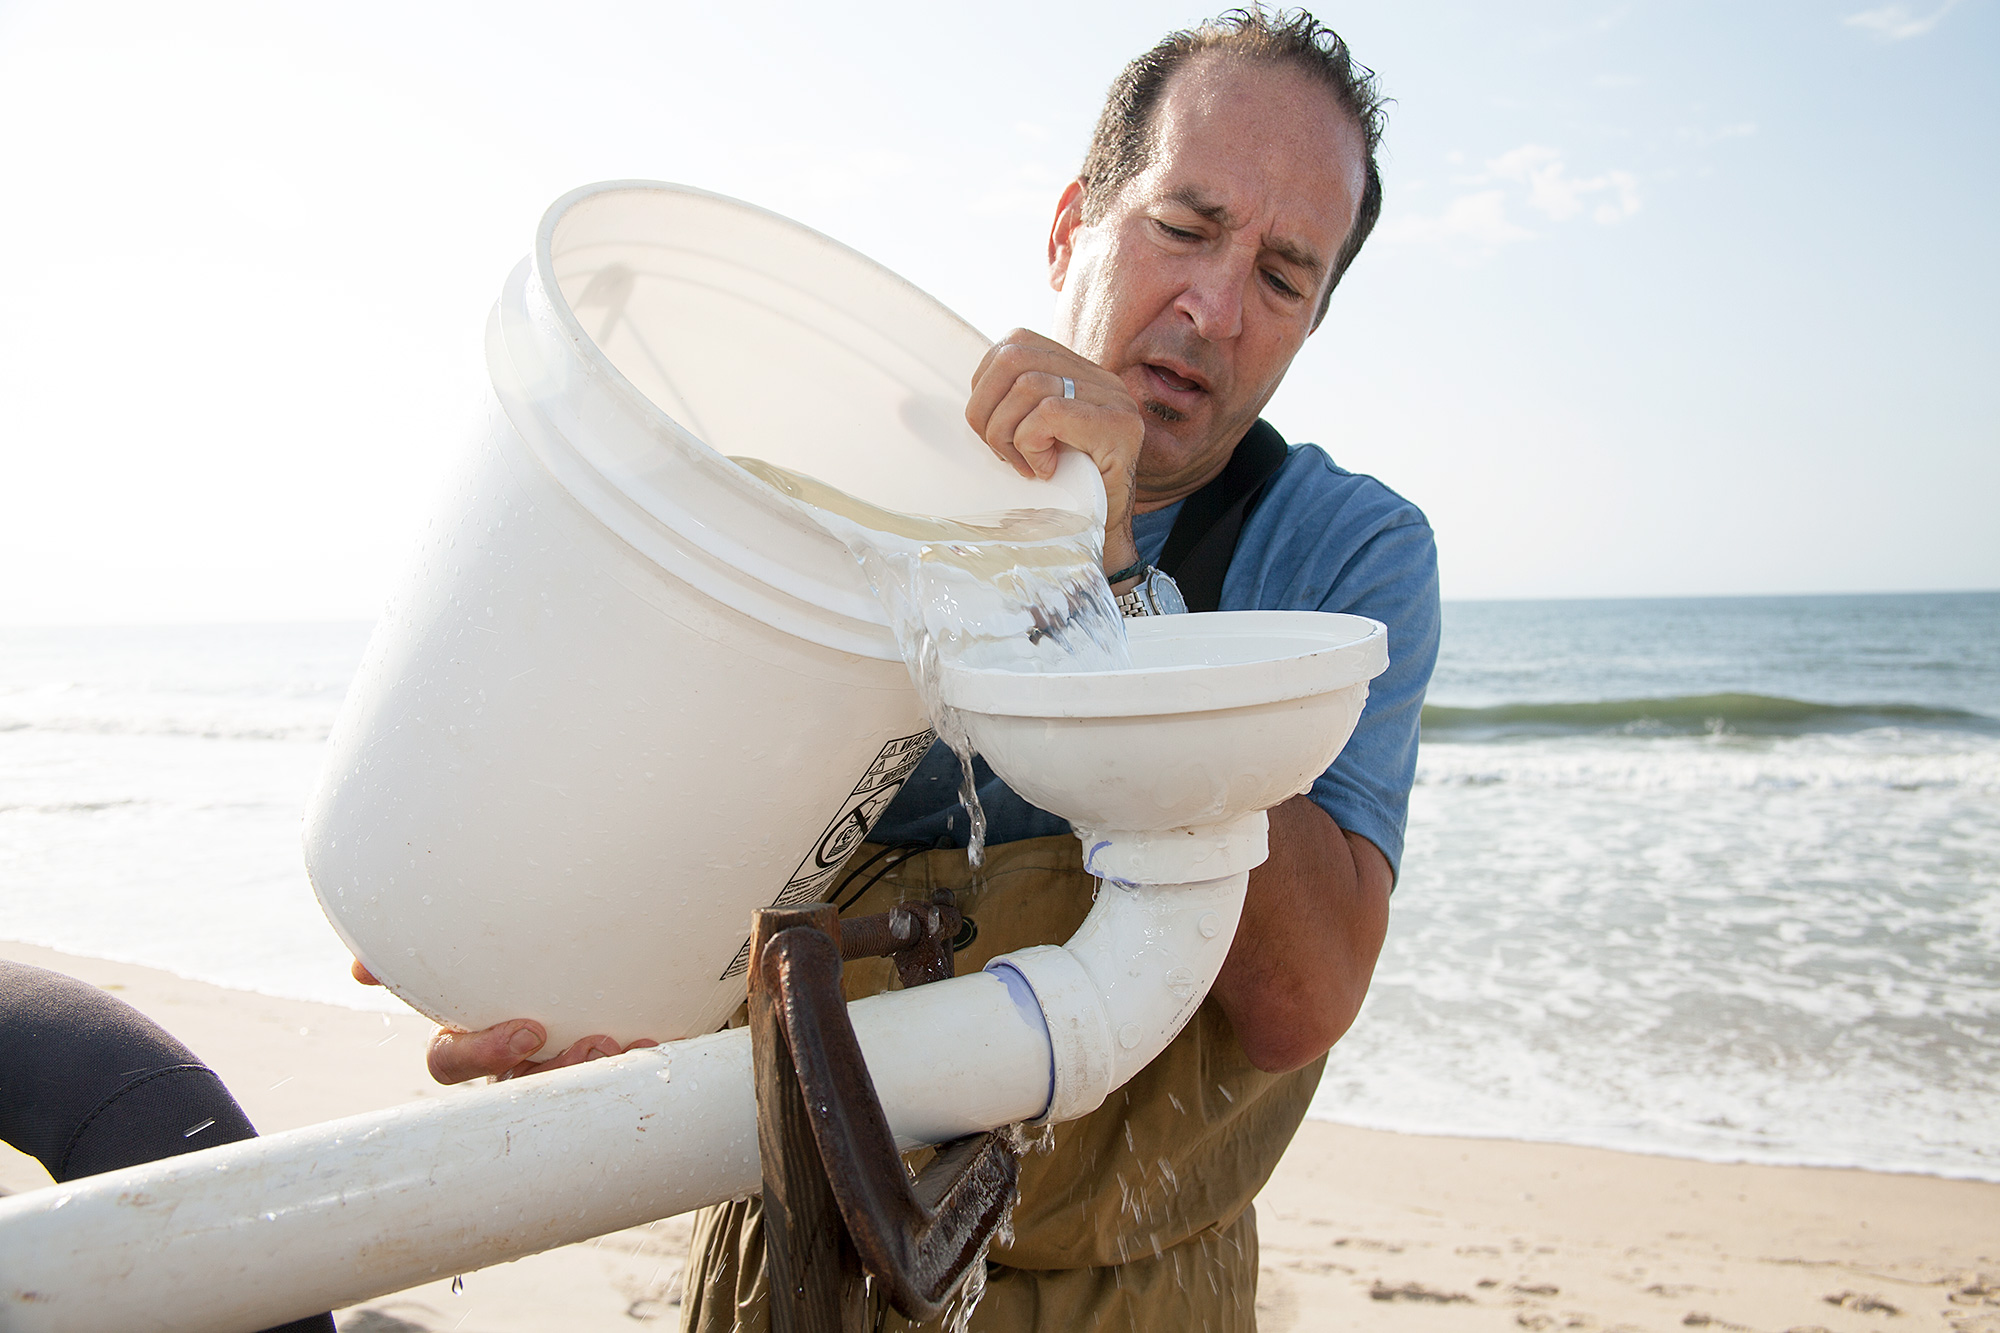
{"x": 1177, "y": 233}
{"x": 1279, "y": 285}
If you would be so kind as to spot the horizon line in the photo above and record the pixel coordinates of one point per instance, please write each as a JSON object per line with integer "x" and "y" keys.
{"x": 1525, "y": 599}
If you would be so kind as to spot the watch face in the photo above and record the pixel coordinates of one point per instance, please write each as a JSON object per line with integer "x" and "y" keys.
{"x": 1163, "y": 595}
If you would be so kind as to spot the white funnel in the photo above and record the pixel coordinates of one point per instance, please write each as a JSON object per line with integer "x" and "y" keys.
{"x": 1220, "y": 716}
{"x": 1165, "y": 770}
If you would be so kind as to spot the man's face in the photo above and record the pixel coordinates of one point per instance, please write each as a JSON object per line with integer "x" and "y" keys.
{"x": 1200, "y": 282}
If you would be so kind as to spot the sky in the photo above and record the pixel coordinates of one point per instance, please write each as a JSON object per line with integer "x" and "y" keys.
{"x": 1668, "y": 298}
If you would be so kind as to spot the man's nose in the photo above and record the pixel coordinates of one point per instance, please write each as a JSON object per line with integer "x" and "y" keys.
{"x": 1213, "y": 297}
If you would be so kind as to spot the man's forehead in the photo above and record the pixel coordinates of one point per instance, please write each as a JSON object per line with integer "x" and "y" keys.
{"x": 1256, "y": 143}
{"x": 1214, "y": 83}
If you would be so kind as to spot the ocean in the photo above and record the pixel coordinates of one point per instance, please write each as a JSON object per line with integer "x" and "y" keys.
{"x": 1715, "y": 878}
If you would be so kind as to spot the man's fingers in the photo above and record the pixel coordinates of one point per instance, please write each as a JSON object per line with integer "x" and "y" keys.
{"x": 1029, "y": 365}
{"x": 587, "y": 1048}
{"x": 362, "y": 974}
{"x": 1017, "y": 343}
{"x": 1003, "y": 433}
{"x": 1041, "y": 434}
{"x": 1011, "y": 456}
{"x": 1034, "y": 419}
{"x": 455, "y": 1057}
{"x": 1109, "y": 437}
{"x": 1018, "y": 407}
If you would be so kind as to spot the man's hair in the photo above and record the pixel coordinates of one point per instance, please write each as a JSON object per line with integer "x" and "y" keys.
{"x": 1122, "y": 145}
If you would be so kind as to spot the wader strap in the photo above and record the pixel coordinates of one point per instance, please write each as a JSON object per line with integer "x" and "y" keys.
{"x": 1205, "y": 532}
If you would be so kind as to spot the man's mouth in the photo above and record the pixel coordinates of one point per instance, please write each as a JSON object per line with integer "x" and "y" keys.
{"x": 1172, "y": 380}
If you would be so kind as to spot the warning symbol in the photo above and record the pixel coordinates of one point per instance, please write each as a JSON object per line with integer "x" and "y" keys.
{"x": 846, "y": 831}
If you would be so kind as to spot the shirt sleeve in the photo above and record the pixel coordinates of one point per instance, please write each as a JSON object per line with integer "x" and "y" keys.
{"x": 1391, "y": 578}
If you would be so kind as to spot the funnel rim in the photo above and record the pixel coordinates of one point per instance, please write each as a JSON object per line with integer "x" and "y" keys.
{"x": 1334, "y": 651}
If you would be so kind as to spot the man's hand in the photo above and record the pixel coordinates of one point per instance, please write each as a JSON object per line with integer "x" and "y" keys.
{"x": 1312, "y": 928}
{"x": 1018, "y": 408}
{"x": 502, "y": 1050}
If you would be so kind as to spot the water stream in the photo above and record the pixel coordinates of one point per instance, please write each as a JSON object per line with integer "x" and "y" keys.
{"x": 1019, "y": 590}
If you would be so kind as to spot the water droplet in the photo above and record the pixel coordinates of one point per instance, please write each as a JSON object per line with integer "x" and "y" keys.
{"x": 1128, "y": 1036}
{"x": 1210, "y": 925}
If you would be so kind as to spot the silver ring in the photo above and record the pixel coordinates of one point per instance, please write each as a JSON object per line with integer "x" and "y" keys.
{"x": 1069, "y": 387}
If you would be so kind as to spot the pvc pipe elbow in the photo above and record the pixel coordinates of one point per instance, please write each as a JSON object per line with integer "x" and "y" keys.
{"x": 1142, "y": 962}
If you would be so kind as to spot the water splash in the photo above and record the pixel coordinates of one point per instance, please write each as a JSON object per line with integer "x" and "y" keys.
{"x": 1025, "y": 1144}
{"x": 958, "y": 1314}
{"x": 1019, "y": 590}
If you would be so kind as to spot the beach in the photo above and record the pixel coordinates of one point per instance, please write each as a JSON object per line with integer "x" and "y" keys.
{"x": 1360, "y": 1228}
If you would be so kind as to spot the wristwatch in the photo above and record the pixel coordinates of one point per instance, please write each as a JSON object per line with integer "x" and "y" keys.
{"x": 1155, "y": 594}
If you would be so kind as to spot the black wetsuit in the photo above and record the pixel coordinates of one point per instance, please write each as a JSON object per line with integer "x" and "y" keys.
{"x": 89, "y": 1084}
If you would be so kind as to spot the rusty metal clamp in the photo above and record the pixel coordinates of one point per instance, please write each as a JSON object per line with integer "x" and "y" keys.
{"x": 825, "y": 1138}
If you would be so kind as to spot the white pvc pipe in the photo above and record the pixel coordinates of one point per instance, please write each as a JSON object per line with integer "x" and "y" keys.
{"x": 237, "y": 1238}
{"x": 1127, "y": 984}
{"x": 1143, "y": 960}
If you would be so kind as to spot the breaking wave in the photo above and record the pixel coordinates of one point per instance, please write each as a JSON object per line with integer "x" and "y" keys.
{"x": 1693, "y": 715}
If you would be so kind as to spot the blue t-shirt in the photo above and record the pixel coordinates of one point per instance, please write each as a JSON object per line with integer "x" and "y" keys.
{"x": 1322, "y": 539}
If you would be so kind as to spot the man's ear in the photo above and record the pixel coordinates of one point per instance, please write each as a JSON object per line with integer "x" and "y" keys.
{"x": 1062, "y": 233}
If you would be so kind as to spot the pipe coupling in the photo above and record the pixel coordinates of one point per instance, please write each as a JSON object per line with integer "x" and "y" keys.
{"x": 1186, "y": 855}
{"x": 1080, "y": 1038}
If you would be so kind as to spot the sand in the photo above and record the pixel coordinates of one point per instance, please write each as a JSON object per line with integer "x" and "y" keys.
{"x": 1361, "y": 1229}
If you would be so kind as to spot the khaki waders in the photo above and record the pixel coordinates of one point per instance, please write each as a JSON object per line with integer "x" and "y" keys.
{"x": 1138, "y": 1217}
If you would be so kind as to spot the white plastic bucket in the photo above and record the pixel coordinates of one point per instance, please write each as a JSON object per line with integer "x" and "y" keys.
{"x": 628, "y": 692}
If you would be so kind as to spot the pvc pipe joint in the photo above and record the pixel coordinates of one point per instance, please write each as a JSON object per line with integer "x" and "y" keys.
{"x": 1143, "y": 960}
{"x": 1176, "y": 856}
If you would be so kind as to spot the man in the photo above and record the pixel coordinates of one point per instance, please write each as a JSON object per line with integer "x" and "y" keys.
{"x": 1230, "y": 182}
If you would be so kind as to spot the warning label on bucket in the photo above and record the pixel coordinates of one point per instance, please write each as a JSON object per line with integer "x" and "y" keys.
{"x": 845, "y": 832}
